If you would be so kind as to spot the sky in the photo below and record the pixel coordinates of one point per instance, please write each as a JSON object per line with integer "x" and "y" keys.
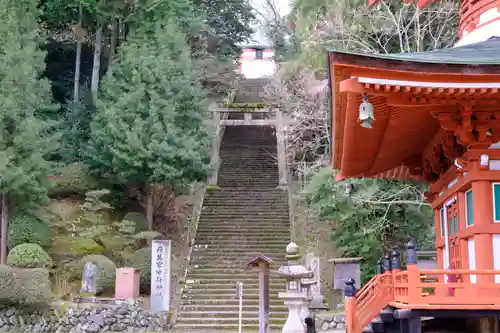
{"x": 283, "y": 7}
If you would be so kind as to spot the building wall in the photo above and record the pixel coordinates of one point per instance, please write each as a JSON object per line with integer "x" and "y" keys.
{"x": 251, "y": 67}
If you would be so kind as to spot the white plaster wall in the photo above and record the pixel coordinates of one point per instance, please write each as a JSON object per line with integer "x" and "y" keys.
{"x": 488, "y": 30}
{"x": 252, "y": 69}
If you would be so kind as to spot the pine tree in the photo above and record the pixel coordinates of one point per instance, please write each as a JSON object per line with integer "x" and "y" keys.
{"x": 149, "y": 129}
{"x": 25, "y": 139}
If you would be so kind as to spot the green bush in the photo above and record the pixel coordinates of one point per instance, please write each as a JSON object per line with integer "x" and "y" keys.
{"x": 24, "y": 287}
{"x": 29, "y": 256}
{"x": 142, "y": 262}
{"x": 25, "y": 228}
{"x": 141, "y": 224}
{"x": 76, "y": 247}
{"x": 106, "y": 271}
{"x": 72, "y": 179}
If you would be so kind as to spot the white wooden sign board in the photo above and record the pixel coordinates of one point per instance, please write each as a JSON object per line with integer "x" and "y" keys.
{"x": 160, "y": 275}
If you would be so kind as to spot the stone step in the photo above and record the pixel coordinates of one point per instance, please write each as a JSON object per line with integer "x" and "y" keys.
{"x": 231, "y": 231}
{"x": 206, "y": 231}
{"x": 237, "y": 237}
{"x": 217, "y": 328}
{"x": 219, "y": 271}
{"x": 235, "y": 256}
{"x": 241, "y": 242}
{"x": 274, "y": 284}
{"x": 249, "y": 214}
{"x": 231, "y": 314}
{"x": 209, "y": 263}
{"x": 262, "y": 217}
{"x": 226, "y": 320}
{"x": 244, "y": 205}
{"x": 227, "y": 203}
{"x": 280, "y": 224}
{"x": 226, "y": 222}
{"x": 203, "y": 262}
{"x": 256, "y": 196}
{"x": 248, "y": 184}
{"x": 242, "y": 275}
{"x": 249, "y": 293}
{"x": 244, "y": 253}
{"x": 192, "y": 304}
{"x": 264, "y": 193}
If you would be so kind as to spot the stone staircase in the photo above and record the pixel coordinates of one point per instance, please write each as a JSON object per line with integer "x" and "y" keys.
{"x": 245, "y": 216}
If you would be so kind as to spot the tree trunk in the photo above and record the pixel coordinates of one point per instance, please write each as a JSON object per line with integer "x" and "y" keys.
{"x": 3, "y": 231}
{"x": 97, "y": 63}
{"x": 113, "y": 44}
{"x": 78, "y": 60}
{"x": 149, "y": 207}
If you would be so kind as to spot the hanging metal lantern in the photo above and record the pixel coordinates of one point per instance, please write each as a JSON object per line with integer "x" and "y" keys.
{"x": 366, "y": 116}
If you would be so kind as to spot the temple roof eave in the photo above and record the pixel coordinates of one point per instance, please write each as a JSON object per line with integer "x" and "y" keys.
{"x": 479, "y": 58}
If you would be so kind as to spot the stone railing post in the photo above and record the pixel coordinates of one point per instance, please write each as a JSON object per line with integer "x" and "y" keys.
{"x": 387, "y": 263}
{"x": 380, "y": 267}
{"x": 396, "y": 261}
{"x": 350, "y": 305}
{"x": 412, "y": 271}
{"x": 214, "y": 160}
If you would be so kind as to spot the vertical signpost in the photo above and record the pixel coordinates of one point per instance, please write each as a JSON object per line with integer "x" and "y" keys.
{"x": 239, "y": 295}
{"x": 262, "y": 263}
{"x": 160, "y": 275}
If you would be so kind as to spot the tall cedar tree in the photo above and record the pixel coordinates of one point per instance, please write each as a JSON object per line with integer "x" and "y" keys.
{"x": 25, "y": 140}
{"x": 149, "y": 128}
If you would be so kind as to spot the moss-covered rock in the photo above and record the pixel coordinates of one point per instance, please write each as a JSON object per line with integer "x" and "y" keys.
{"x": 142, "y": 262}
{"x": 141, "y": 224}
{"x": 25, "y": 228}
{"x": 106, "y": 271}
{"x": 24, "y": 287}
{"x": 29, "y": 256}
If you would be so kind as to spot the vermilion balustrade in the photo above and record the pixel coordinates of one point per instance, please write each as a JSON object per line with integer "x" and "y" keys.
{"x": 421, "y": 289}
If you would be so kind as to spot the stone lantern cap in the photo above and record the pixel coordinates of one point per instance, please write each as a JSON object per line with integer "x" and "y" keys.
{"x": 295, "y": 271}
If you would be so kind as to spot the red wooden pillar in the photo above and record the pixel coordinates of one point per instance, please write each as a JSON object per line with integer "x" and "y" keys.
{"x": 483, "y": 216}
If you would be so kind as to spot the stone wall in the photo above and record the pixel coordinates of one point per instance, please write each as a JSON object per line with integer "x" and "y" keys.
{"x": 330, "y": 322}
{"x": 123, "y": 318}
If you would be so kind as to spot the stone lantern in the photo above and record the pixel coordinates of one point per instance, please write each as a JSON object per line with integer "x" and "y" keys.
{"x": 294, "y": 297}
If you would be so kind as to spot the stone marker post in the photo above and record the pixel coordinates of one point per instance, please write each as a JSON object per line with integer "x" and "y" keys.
{"x": 262, "y": 263}
{"x": 313, "y": 263}
{"x": 294, "y": 298}
{"x": 345, "y": 268}
{"x": 160, "y": 275}
{"x": 89, "y": 278}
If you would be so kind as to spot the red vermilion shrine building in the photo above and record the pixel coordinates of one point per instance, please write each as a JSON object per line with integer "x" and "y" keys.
{"x": 436, "y": 118}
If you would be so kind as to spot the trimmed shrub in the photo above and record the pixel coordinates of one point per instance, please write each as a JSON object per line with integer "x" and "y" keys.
{"x": 29, "y": 256}
{"x": 7, "y": 285}
{"x": 24, "y": 287}
{"x": 25, "y": 228}
{"x": 76, "y": 247}
{"x": 106, "y": 271}
{"x": 141, "y": 224}
{"x": 142, "y": 262}
{"x": 72, "y": 179}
